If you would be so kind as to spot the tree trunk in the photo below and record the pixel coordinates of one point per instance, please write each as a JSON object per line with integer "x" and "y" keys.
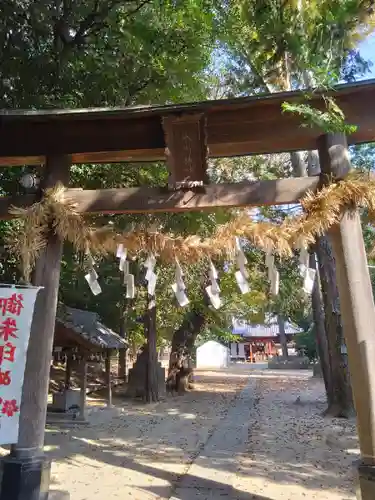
{"x": 283, "y": 337}
{"x": 108, "y": 377}
{"x": 152, "y": 383}
{"x": 320, "y": 331}
{"x": 180, "y": 361}
{"x": 124, "y": 310}
{"x": 340, "y": 402}
{"x": 298, "y": 164}
{"x": 123, "y": 353}
{"x": 335, "y": 377}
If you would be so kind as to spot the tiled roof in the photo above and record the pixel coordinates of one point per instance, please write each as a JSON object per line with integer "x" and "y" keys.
{"x": 269, "y": 329}
{"x": 88, "y": 325}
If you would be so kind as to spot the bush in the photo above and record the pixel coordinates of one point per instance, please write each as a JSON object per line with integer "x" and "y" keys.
{"x": 305, "y": 342}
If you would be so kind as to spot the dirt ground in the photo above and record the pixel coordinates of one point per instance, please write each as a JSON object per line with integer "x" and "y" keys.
{"x": 242, "y": 433}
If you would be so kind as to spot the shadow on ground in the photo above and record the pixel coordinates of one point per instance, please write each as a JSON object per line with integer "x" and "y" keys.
{"x": 152, "y": 440}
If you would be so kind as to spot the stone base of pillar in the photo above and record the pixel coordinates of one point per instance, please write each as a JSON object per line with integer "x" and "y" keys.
{"x": 25, "y": 478}
{"x": 365, "y": 482}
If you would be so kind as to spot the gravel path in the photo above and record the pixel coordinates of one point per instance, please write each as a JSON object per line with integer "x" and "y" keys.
{"x": 292, "y": 452}
{"x": 140, "y": 452}
{"x": 245, "y": 433}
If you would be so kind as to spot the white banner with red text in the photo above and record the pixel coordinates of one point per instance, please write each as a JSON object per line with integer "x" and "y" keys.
{"x": 16, "y": 315}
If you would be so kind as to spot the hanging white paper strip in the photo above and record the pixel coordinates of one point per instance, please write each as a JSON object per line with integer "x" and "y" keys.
{"x": 93, "y": 283}
{"x": 304, "y": 257}
{"x": 309, "y": 280}
{"x": 122, "y": 262}
{"x": 121, "y": 251}
{"x": 130, "y": 288}
{"x": 16, "y": 313}
{"x": 179, "y": 271}
{"x": 150, "y": 262}
{"x": 91, "y": 260}
{"x": 215, "y": 287}
{"x": 151, "y": 282}
{"x": 241, "y": 258}
{"x": 214, "y": 297}
{"x": 212, "y": 273}
{"x": 238, "y": 244}
{"x": 241, "y": 261}
{"x": 275, "y": 282}
{"x": 95, "y": 288}
{"x": 302, "y": 270}
{"x": 180, "y": 295}
{"x": 93, "y": 275}
{"x": 181, "y": 285}
{"x": 179, "y": 274}
{"x": 242, "y": 282}
{"x": 126, "y": 269}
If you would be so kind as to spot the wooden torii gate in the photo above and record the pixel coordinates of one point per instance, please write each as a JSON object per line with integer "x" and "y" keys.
{"x": 185, "y": 136}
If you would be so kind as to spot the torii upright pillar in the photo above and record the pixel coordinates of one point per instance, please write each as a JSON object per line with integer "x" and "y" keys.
{"x": 26, "y": 470}
{"x": 357, "y": 311}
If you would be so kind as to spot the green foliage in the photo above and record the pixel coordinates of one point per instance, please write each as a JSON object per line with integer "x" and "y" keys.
{"x": 265, "y": 167}
{"x": 330, "y": 121}
{"x": 219, "y": 335}
{"x": 105, "y": 52}
{"x": 363, "y": 157}
{"x": 283, "y": 45}
{"x": 306, "y": 342}
{"x": 278, "y": 44}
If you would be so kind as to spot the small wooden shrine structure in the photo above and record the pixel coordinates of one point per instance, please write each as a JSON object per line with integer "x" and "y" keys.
{"x": 185, "y": 136}
{"x": 80, "y": 338}
{"x": 259, "y": 341}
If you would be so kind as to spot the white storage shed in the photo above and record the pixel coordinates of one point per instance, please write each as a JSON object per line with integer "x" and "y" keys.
{"x": 213, "y": 355}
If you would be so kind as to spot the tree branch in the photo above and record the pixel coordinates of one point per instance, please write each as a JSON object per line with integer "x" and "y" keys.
{"x": 137, "y": 9}
{"x": 96, "y": 20}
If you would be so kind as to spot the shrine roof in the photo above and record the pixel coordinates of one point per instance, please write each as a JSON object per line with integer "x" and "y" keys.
{"x": 238, "y": 126}
{"x": 269, "y": 328}
{"x": 84, "y": 328}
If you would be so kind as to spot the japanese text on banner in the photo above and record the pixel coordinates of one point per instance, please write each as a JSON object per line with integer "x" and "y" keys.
{"x": 16, "y": 312}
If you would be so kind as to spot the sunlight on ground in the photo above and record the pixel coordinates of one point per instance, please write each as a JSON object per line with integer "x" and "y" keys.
{"x": 214, "y": 439}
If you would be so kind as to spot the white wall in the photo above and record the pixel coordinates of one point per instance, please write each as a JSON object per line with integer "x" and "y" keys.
{"x": 233, "y": 350}
{"x": 212, "y": 355}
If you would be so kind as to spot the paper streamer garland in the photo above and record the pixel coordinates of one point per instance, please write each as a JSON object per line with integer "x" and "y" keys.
{"x": 321, "y": 210}
{"x": 213, "y": 290}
